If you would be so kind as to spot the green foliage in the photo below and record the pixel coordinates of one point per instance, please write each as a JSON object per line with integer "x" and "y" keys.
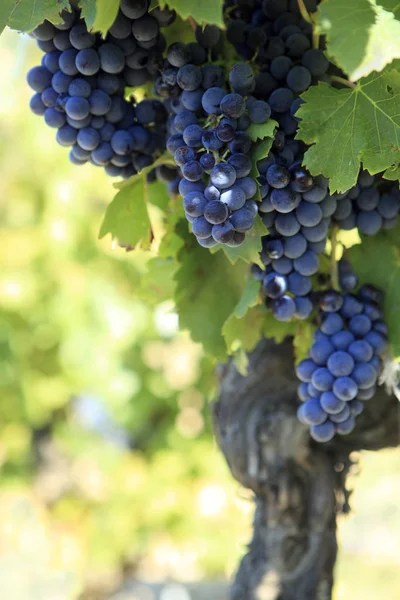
{"x": 264, "y": 131}
{"x": 377, "y": 261}
{"x": 206, "y": 11}
{"x": 127, "y": 218}
{"x": 25, "y": 15}
{"x": 251, "y": 247}
{"x": 348, "y": 127}
{"x": 208, "y": 289}
{"x": 242, "y": 330}
{"x": 362, "y": 35}
{"x": 100, "y": 14}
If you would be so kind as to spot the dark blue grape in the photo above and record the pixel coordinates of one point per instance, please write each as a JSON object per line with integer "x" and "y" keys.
{"x": 88, "y": 61}
{"x": 223, "y": 233}
{"x": 201, "y": 228}
{"x": 192, "y": 170}
{"x": 311, "y": 412}
{"x": 216, "y": 212}
{"x": 345, "y": 388}
{"x": 331, "y": 404}
{"x": 54, "y": 118}
{"x": 284, "y": 308}
{"x": 194, "y": 204}
{"x": 103, "y": 154}
{"x": 39, "y": 78}
{"x": 211, "y": 100}
{"x": 241, "y": 163}
{"x": 234, "y": 198}
{"x": 66, "y": 136}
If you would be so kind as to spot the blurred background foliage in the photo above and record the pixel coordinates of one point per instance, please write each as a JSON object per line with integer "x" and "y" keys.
{"x": 108, "y": 467}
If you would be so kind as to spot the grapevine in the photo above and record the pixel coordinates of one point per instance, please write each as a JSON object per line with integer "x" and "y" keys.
{"x": 222, "y": 120}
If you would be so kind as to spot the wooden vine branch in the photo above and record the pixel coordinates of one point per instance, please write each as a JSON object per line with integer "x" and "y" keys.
{"x": 299, "y": 485}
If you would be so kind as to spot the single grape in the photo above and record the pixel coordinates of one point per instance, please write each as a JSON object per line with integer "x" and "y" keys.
{"x": 323, "y": 432}
{"x": 311, "y": 412}
{"x": 223, "y": 233}
{"x": 284, "y": 308}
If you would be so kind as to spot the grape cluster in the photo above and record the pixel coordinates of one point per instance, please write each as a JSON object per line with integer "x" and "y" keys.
{"x": 297, "y": 209}
{"x": 371, "y": 205}
{"x": 209, "y": 143}
{"x": 345, "y": 361}
{"x": 79, "y": 87}
{"x": 273, "y": 33}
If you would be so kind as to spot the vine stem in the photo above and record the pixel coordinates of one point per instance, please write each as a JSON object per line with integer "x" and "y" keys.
{"x": 343, "y": 81}
{"x": 334, "y": 265}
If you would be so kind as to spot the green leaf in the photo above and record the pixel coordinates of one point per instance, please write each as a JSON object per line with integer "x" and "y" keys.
{"x": 392, "y": 173}
{"x": 251, "y": 247}
{"x": 25, "y": 15}
{"x": 242, "y": 330}
{"x": 157, "y": 283}
{"x": 203, "y": 11}
{"x": 208, "y": 289}
{"x": 250, "y": 297}
{"x": 176, "y": 228}
{"x": 260, "y": 150}
{"x": 100, "y": 14}
{"x": 127, "y": 217}
{"x": 348, "y": 127}
{"x": 362, "y": 35}
{"x": 260, "y": 132}
{"x": 377, "y": 261}
{"x": 278, "y": 330}
{"x": 303, "y": 339}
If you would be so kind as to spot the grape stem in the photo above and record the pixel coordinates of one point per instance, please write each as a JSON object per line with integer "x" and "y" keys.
{"x": 192, "y": 23}
{"x": 343, "y": 81}
{"x": 309, "y": 18}
{"x": 304, "y": 12}
{"x": 334, "y": 265}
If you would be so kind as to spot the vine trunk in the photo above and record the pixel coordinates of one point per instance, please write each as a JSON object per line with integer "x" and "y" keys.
{"x": 299, "y": 486}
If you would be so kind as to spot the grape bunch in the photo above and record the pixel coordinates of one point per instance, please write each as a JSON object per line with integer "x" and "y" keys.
{"x": 274, "y": 34}
{"x": 371, "y": 205}
{"x": 79, "y": 87}
{"x": 297, "y": 209}
{"x": 344, "y": 363}
{"x": 209, "y": 143}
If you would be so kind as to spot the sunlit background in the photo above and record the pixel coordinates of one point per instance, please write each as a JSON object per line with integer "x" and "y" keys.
{"x": 111, "y": 484}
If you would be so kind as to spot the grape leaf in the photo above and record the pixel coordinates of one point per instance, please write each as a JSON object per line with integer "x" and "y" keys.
{"x": 127, "y": 217}
{"x": 249, "y": 250}
{"x": 377, "y": 261}
{"x": 278, "y": 330}
{"x": 208, "y": 289}
{"x": 176, "y": 228}
{"x": 202, "y": 11}
{"x": 362, "y": 35}
{"x": 303, "y": 339}
{"x": 260, "y": 132}
{"x": 100, "y": 14}
{"x": 260, "y": 150}
{"x": 242, "y": 330}
{"x": 88, "y": 8}
{"x": 6, "y": 10}
{"x": 25, "y": 15}
{"x": 157, "y": 282}
{"x": 350, "y": 126}
{"x": 244, "y": 334}
{"x": 393, "y": 173}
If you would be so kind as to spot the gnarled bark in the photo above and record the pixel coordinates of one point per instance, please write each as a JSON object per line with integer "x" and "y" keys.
{"x": 298, "y": 483}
